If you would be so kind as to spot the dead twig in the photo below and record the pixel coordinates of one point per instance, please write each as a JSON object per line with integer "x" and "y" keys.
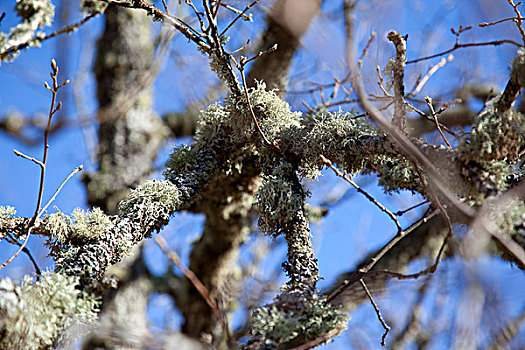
{"x": 321, "y": 340}
{"x": 378, "y": 312}
{"x": 401, "y": 212}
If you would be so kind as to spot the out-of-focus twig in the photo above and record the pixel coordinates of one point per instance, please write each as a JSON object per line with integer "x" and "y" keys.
{"x": 174, "y": 257}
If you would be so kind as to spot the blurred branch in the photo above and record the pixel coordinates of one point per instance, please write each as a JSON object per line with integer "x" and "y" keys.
{"x": 67, "y": 29}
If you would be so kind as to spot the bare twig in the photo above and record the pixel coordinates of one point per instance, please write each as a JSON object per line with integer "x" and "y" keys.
{"x": 190, "y": 275}
{"x": 52, "y": 110}
{"x": 242, "y": 63}
{"x": 365, "y": 270}
{"x": 13, "y": 240}
{"x": 433, "y": 113}
{"x": 20, "y": 154}
{"x": 486, "y": 24}
{"x": 460, "y": 46}
{"x": 518, "y": 18}
{"x": 76, "y": 170}
{"x": 176, "y": 22}
{"x": 365, "y": 52}
{"x": 378, "y": 312}
{"x": 233, "y": 9}
{"x": 427, "y": 76}
{"x": 401, "y": 212}
{"x": 237, "y": 18}
{"x": 360, "y": 190}
{"x": 381, "y": 81}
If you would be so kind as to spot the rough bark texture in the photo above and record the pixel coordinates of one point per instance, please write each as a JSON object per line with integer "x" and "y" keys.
{"x": 130, "y": 134}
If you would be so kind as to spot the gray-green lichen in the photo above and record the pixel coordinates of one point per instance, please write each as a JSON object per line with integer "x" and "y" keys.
{"x": 154, "y": 201}
{"x": 34, "y": 14}
{"x": 396, "y": 174}
{"x": 276, "y": 201}
{"x": 279, "y": 326}
{"x": 179, "y": 158}
{"x": 83, "y": 226}
{"x": 273, "y": 113}
{"x": 35, "y": 314}
{"x": 494, "y": 135}
{"x": 508, "y": 215}
{"x": 6, "y": 212}
{"x": 93, "y": 6}
{"x": 337, "y": 136}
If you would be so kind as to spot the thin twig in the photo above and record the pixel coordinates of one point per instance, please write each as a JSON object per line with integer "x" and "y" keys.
{"x": 26, "y": 251}
{"x": 360, "y": 190}
{"x": 241, "y": 48}
{"x": 52, "y": 110}
{"x": 233, "y": 9}
{"x": 190, "y": 275}
{"x": 20, "y": 154}
{"x": 450, "y": 233}
{"x": 427, "y": 76}
{"x": 441, "y": 110}
{"x": 251, "y": 109}
{"x": 166, "y": 7}
{"x": 381, "y": 81}
{"x": 433, "y": 113}
{"x": 518, "y": 19}
{"x": 401, "y": 212}
{"x": 378, "y": 312}
{"x": 460, "y": 46}
{"x": 365, "y": 52}
{"x": 176, "y": 22}
{"x": 237, "y": 18}
{"x": 242, "y": 63}
{"x": 76, "y": 170}
{"x": 365, "y": 270}
{"x": 67, "y": 29}
{"x": 486, "y": 24}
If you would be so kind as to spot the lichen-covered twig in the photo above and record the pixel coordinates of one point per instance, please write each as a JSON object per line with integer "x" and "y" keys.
{"x": 37, "y": 40}
{"x": 399, "y": 120}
